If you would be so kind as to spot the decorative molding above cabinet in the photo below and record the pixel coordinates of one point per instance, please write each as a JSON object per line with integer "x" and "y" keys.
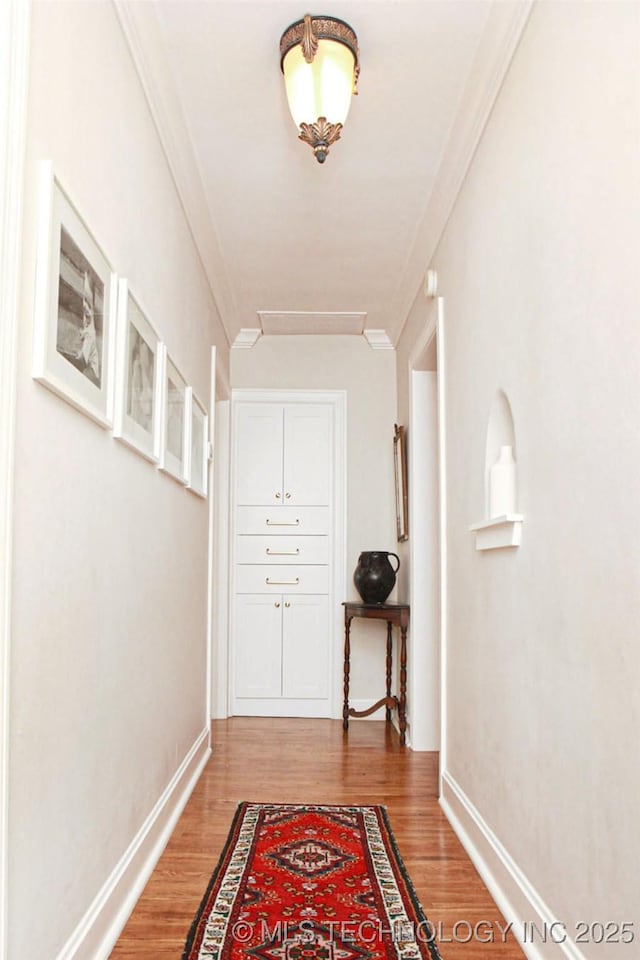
{"x": 287, "y": 551}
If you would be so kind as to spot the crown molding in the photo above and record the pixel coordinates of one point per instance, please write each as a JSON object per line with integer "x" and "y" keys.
{"x": 378, "y": 339}
{"x": 143, "y": 33}
{"x": 246, "y": 338}
{"x": 310, "y": 322}
{"x": 506, "y": 22}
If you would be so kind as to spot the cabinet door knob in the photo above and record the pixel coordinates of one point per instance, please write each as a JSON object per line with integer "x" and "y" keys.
{"x": 276, "y": 604}
{"x": 287, "y": 496}
{"x": 287, "y": 604}
{"x": 278, "y": 495}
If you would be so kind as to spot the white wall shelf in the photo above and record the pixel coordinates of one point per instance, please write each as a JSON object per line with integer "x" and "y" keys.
{"x": 505, "y": 531}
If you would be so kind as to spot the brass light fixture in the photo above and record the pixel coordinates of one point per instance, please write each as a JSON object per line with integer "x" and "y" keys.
{"x": 320, "y": 60}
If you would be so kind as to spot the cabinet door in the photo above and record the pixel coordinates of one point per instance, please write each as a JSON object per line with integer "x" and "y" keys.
{"x": 307, "y": 454}
{"x": 258, "y": 646}
{"x": 305, "y": 647}
{"x": 258, "y": 475}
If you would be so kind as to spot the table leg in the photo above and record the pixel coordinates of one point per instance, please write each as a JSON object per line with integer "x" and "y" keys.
{"x": 402, "y": 706}
{"x": 389, "y": 668}
{"x": 347, "y": 656}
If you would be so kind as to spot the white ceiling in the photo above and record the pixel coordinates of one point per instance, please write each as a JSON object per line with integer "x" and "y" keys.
{"x": 278, "y": 231}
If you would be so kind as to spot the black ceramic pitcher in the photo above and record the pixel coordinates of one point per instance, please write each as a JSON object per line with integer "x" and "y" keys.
{"x": 374, "y": 576}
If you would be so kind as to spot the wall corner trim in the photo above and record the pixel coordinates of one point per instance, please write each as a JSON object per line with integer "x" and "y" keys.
{"x": 97, "y": 932}
{"x": 514, "y": 894}
{"x": 246, "y": 338}
{"x": 378, "y": 339}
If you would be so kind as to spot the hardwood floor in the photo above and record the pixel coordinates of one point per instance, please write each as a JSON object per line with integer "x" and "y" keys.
{"x": 311, "y": 761}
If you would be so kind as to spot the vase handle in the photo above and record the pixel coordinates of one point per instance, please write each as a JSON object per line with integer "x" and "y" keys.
{"x": 398, "y": 559}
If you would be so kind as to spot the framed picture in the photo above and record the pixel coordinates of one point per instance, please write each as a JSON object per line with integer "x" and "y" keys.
{"x": 199, "y": 447}
{"x": 400, "y": 465}
{"x": 138, "y": 386}
{"x": 75, "y": 307}
{"x": 174, "y": 437}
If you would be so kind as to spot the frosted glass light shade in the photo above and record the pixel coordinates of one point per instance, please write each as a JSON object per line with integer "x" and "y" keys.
{"x": 320, "y": 61}
{"x": 322, "y": 88}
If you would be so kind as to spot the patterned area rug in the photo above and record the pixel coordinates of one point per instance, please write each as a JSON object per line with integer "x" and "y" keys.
{"x": 310, "y": 883}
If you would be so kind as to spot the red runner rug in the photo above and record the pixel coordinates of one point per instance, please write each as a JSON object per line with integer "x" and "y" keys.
{"x": 310, "y": 883}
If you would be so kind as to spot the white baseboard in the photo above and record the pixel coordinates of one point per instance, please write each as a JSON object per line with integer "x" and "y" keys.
{"x": 313, "y": 709}
{"x": 97, "y": 932}
{"x": 515, "y": 896}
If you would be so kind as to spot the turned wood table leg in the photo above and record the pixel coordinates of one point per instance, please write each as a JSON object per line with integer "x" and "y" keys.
{"x": 395, "y": 614}
{"x": 347, "y": 656}
{"x": 389, "y": 669}
{"x": 402, "y": 706}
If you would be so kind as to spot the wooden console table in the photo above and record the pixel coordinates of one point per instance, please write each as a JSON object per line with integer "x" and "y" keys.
{"x": 393, "y": 614}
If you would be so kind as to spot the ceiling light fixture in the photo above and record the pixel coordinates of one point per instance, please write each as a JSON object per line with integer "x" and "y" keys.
{"x": 320, "y": 60}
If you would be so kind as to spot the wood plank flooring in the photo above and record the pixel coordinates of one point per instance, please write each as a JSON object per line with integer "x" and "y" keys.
{"x": 311, "y": 761}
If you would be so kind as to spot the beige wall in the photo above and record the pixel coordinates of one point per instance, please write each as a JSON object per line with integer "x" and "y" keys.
{"x": 538, "y": 267}
{"x": 369, "y": 379}
{"x": 109, "y": 582}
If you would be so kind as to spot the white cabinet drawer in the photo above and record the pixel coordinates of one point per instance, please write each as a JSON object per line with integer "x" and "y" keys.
{"x": 282, "y": 549}
{"x": 282, "y": 520}
{"x": 254, "y": 578}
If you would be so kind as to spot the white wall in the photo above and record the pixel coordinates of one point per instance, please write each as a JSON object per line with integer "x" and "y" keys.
{"x": 14, "y": 47}
{"x": 109, "y": 581}
{"x": 220, "y": 645}
{"x": 538, "y": 267}
{"x": 368, "y": 376}
{"x": 423, "y": 561}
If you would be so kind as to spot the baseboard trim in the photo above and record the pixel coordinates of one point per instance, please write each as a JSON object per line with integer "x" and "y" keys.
{"x": 97, "y": 932}
{"x": 515, "y": 895}
{"x": 313, "y": 709}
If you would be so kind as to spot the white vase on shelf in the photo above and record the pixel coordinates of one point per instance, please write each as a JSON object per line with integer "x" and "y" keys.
{"x": 502, "y": 484}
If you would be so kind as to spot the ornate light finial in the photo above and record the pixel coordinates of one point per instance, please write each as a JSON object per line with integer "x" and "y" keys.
{"x": 320, "y": 136}
{"x": 309, "y": 40}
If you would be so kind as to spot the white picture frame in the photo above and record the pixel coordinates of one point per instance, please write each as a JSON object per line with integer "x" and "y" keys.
{"x": 198, "y": 446}
{"x": 175, "y": 438}
{"x": 75, "y": 307}
{"x": 138, "y": 381}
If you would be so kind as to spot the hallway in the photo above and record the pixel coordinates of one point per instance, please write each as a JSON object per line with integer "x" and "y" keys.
{"x": 307, "y": 761}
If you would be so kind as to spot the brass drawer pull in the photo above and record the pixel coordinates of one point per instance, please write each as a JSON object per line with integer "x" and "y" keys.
{"x": 282, "y": 583}
{"x": 283, "y": 523}
{"x": 283, "y": 553}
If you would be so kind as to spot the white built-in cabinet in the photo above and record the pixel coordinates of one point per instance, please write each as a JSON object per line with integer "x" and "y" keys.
{"x": 285, "y": 542}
